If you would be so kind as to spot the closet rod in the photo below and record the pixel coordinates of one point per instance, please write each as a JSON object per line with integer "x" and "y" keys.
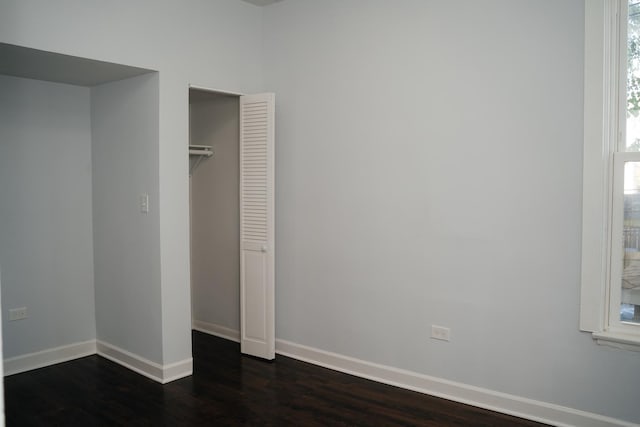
{"x": 198, "y": 152}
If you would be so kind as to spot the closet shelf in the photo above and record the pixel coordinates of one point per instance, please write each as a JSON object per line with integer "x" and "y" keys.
{"x": 196, "y": 154}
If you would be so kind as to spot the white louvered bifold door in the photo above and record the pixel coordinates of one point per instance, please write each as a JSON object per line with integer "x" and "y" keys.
{"x": 257, "y": 250}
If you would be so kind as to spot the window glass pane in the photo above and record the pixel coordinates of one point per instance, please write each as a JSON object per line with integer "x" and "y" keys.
{"x": 633, "y": 77}
{"x": 630, "y": 292}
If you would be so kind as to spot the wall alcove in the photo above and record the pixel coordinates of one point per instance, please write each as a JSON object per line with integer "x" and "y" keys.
{"x": 78, "y": 157}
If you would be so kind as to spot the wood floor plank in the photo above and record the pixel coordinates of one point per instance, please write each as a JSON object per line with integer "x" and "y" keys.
{"x": 227, "y": 389}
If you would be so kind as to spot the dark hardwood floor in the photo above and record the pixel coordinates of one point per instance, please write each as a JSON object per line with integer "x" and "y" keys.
{"x": 227, "y": 389}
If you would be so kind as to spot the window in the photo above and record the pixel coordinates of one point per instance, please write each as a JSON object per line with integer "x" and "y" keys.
{"x": 610, "y": 298}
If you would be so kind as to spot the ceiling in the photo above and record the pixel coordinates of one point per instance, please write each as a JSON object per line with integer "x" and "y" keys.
{"x": 37, "y": 64}
{"x": 262, "y": 2}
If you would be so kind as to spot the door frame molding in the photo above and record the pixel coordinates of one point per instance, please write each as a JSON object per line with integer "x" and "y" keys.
{"x": 207, "y": 89}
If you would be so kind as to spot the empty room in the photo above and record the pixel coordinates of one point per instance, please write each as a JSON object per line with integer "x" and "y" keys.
{"x": 205, "y": 198}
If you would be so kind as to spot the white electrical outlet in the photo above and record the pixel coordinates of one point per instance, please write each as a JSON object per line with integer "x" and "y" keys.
{"x": 440, "y": 333}
{"x": 18, "y": 313}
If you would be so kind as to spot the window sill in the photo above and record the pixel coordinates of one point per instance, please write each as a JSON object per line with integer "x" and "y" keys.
{"x": 618, "y": 340}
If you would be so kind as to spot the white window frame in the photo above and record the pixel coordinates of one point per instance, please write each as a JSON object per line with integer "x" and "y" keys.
{"x": 603, "y": 164}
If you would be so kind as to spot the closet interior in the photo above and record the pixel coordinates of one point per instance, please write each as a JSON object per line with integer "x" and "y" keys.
{"x": 214, "y": 134}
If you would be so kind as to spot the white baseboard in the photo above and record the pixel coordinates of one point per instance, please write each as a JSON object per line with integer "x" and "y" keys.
{"x": 458, "y": 392}
{"x": 500, "y": 402}
{"x": 160, "y": 373}
{"x": 217, "y": 330}
{"x": 177, "y": 370}
{"x": 51, "y": 356}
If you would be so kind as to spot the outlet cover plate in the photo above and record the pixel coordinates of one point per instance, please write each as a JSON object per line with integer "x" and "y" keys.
{"x": 17, "y": 313}
{"x": 440, "y": 333}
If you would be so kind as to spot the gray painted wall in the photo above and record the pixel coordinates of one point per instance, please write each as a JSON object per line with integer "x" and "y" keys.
{"x": 126, "y": 243}
{"x": 429, "y": 172}
{"x": 211, "y": 44}
{"x": 429, "y": 161}
{"x": 215, "y": 214}
{"x": 45, "y": 214}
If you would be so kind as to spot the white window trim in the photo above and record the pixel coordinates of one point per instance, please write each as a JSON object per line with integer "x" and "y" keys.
{"x": 604, "y": 117}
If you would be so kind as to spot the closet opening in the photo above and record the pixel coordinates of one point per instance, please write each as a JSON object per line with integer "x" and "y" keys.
{"x": 232, "y": 218}
{"x": 214, "y": 199}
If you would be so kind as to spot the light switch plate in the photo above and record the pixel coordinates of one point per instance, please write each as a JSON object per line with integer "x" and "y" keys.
{"x": 144, "y": 203}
